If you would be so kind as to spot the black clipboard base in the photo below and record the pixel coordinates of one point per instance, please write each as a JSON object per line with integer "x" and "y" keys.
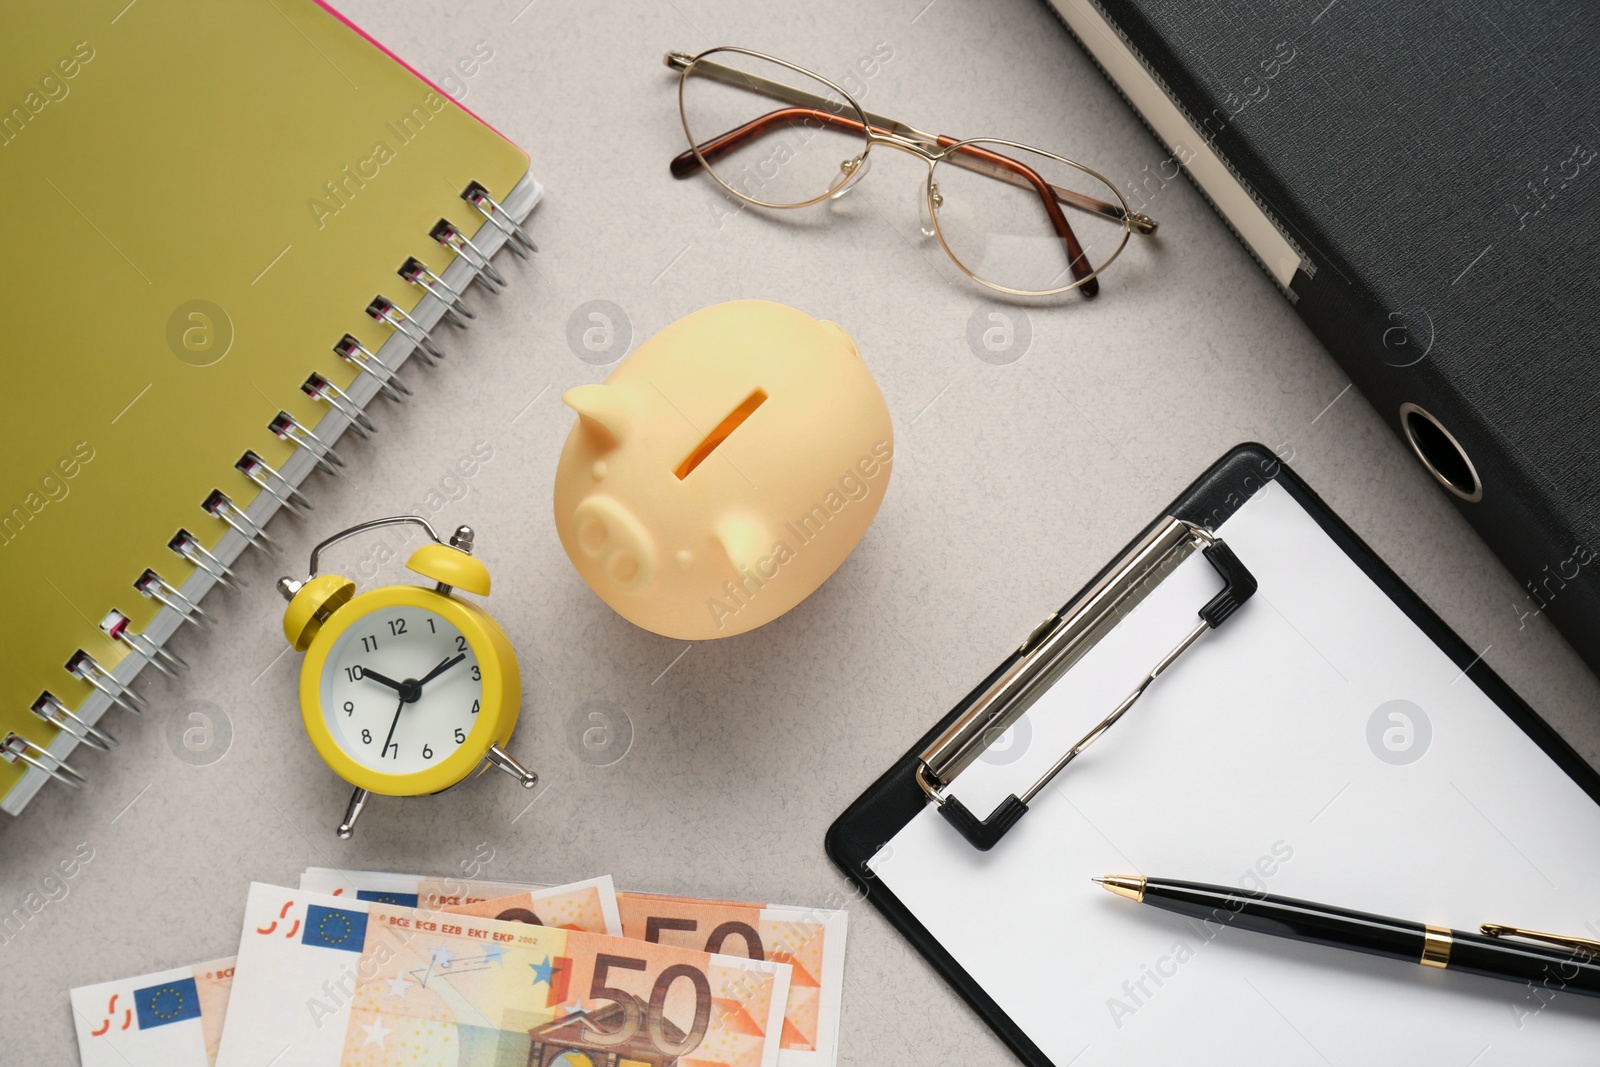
{"x": 892, "y": 801}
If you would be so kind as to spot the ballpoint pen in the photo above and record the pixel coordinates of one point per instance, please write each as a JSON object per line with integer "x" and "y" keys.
{"x": 1555, "y": 962}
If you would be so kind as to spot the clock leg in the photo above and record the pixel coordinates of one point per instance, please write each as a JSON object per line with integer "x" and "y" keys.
{"x": 358, "y": 800}
{"x": 508, "y": 763}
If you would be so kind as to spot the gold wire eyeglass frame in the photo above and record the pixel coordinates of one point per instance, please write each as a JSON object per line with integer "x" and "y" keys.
{"x": 972, "y": 154}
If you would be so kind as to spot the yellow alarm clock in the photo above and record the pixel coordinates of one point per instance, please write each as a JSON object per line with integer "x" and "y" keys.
{"x": 405, "y": 690}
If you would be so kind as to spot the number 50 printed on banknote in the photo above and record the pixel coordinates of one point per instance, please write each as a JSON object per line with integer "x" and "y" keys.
{"x": 811, "y": 940}
{"x": 333, "y": 982}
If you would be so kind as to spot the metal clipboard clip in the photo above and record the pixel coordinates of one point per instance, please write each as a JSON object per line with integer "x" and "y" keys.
{"x": 1052, "y": 649}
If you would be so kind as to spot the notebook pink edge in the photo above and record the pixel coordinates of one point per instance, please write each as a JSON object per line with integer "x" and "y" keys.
{"x": 379, "y": 45}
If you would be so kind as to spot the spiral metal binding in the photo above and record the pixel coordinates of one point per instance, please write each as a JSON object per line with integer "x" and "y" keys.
{"x": 83, "y": 666}
{"x": 456, "y": 311}
{"x": 267, "y": 477}
{"x": 517, "y": 238}
{"x": 389, "y": 381}
{"x": 223, "y": 507}
{"x": 319, "y": 388}
{"x": 119, "y": 627}
{"x": 185, "y": 545}
{"x": 49, "y": 708}
{"x": 16, "y": 747}
{"x": 446, "y": 234}
{"x": 382, "y": 309}
{"x": 289, "y": 428}
{"x": 164, "y": 592}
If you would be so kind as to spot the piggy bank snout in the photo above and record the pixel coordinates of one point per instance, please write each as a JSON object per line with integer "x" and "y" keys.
{"x": 622, "y": 550}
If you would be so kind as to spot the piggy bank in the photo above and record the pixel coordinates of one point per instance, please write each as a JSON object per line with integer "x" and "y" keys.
{"x": 724, "y": 470}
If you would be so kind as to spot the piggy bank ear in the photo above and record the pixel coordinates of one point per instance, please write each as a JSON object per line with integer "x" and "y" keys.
{"x": 602, "y": 412}
{"x": 744, "y": 539}
{"x": 836, "y": 330}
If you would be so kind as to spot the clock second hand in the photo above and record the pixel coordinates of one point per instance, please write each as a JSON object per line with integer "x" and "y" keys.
{"x": 392, "y": 724}
{"x": 411, "y": 690}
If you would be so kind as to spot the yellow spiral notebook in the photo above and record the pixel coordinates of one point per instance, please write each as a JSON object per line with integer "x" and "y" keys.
{"x": 240, "y": 219}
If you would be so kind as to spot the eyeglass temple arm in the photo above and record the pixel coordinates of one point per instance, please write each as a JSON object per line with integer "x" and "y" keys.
{"x": 1077, "y": 261}
{"x": 678, "y": 61}
{"x": 1139, "y": 223}
{"x": 688, "y": 161}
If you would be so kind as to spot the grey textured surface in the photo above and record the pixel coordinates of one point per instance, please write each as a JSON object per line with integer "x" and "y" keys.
{"x": 1012, "y": 484}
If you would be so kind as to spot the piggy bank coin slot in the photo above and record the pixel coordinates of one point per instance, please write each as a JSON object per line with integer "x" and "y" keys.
{"x": 721, "y": 432}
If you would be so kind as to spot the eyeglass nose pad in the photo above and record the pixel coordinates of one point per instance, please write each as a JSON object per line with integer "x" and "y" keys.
{"x": 932, "y": 196}
{"x": 852, "y": 169}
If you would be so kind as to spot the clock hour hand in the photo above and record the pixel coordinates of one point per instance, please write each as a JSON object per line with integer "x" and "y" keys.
{"x": 440, "y": 669}
{"x": 380, "y": 679}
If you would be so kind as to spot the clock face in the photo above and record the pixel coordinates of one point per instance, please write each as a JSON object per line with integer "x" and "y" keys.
{"x": 401, "y": 690}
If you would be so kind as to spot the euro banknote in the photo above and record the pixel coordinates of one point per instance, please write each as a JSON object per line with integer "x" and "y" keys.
{"x": 811, "y": 940}
{"x": 326, "y": 981}
{"x": 170, "y": 1018}
{"x": 588, "y": 905}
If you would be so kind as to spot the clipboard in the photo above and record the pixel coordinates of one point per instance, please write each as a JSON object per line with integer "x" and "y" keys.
{"x": 985, "y": 845}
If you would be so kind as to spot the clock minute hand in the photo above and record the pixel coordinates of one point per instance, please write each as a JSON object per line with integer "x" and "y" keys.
{"x": 440, "y": 669}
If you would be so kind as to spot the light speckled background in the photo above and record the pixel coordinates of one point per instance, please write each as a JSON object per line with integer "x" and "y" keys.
{"x": 1012, "y": 485}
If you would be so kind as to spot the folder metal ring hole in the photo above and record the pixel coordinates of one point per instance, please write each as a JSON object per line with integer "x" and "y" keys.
{"x": 1053, "y": 648}
{"x": 1441, "y": 453}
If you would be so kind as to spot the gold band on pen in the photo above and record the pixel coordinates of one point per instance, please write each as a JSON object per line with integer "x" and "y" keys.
{"x": 1436, "y": 942}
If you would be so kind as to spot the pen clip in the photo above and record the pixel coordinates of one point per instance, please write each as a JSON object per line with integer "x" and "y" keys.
{"x": 1585, "y": 945}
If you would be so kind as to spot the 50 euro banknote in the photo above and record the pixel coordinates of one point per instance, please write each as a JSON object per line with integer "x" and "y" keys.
{"x": 325, "y": 981}
{"x": 589, "y": 905}
{"x": 170, "y": 1018}
{"x": 810, "y": 940}
{"x": 174, "y": 1018}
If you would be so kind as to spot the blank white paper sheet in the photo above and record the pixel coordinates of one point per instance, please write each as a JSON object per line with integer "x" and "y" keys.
{"x": 1318, "y": 745}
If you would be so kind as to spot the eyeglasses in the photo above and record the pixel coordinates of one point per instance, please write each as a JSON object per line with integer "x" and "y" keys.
{"x": 999, "y": 208}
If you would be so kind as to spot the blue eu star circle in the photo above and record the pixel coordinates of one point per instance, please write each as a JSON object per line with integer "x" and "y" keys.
{"x": 334, "y": 929}
{"x": 166, "y": 1003}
